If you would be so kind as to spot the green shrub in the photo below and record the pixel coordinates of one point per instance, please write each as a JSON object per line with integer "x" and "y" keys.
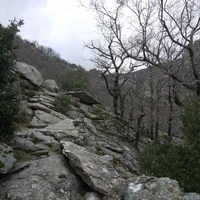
{"x": 2, "y": 165}
{"x": 9, "y": 112}
{"x": 30, "y": 93}
{"x": 75, "y": 80}
{"x": 23, "y": 117}
{"x": 62, "y": 103}
{"x": 23, "y": 156}
{"x": 191, "y": 120}
{"x": 179, "y": 162}
{"x": 9, "y": 94}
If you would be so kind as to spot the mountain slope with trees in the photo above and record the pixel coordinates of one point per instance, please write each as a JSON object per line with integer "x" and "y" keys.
{"x": 148, "y": 99}
{"x": 149, "y": 103}
{"x": 45, "y": 59}
{"x": 152, "y": 101}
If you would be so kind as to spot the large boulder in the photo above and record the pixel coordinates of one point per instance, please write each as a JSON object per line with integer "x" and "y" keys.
{"x": 92, "y": 196}
{"x": 7, "y": 160}
{"x": 50, "y": 85}
{"x": 38, "y": 106}
{"x": 29, "y": 73}
{"x": 41, "y": 138}
{"x": 45, "y": 179}
{"x": 24, "y": 144}
{"x": 191, "y": 196}
{"x": 96, "y": 171}
{"x": 151, "y": 188}
{"x": 62, "y": 130}
{"x": 45, "y": 118}
{"x": 84, "y": 97}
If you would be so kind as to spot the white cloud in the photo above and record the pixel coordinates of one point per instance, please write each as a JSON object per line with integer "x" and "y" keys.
{"x": 60, "y": 24}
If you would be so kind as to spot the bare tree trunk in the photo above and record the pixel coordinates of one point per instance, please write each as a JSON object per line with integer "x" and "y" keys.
{"x": 151, "y": 131}
{"x": 170, "y": 118}
{"x": 169, "y": 126}
{"x": 151, "y": 106}
{"x": 139, "y": 130}
{"x": 131, "y": 114}
{"x": 170, "y": 112}
{"x": 157, "y": 113}
{"x": 156, "y": 129}
{"x": 115, "y": 104}
{"x": 122, "y": 109}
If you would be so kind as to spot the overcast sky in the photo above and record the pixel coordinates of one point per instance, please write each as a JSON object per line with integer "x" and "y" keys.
{"x": 60, "y": 24}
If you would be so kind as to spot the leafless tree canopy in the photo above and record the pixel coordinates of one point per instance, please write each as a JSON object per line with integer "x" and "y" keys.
{"x": 162, "y": 33}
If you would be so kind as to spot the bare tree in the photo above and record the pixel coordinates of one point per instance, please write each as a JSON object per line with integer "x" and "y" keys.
{"x": 114, "y": 64}
{"x": 138, "y": 99}
{"x": 163, "y": 33}
{"x": 168, "y": 34}
{"x": 164, "y": 104}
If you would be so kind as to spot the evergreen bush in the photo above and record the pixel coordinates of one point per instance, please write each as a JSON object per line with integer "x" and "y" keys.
{"x": 9, "y": 95}
{"x": 191, "y": 120}
{"x": 62, "y": 103}
{"x": 180, "y": 162}
{"x": 75, "y": 80}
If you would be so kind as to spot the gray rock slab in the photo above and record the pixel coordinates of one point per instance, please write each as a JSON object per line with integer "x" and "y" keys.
{"x": 7, "y": 160}
{"x": 19, "y": 166}
{"x": 84, "y": 97}
{"x": 35, "y": 122}
{"x": 57, "y": 114}
{"x": 40, "y": 137}
{"x": 49, "y": 178}
{"x": 38, "y": 106}
{"x": 46, "y": 98}
{"x": 47, "y": 101}
{"x": 96, "y": 171}
{"x": 50, "y": 85}
{"x": 41, "y": 117}
{"x": 36, "y": 125}
{"x": 24, "y": 144}
{"x": 49, "y": 105}
{"x": 29, "y": 73}
{"x": 49, "y": 93}
{"x": 191, "y": 196}
{"x": 152, "y": 188}
{"x": 92, "y": 196}
{"x": 64, "y": 129}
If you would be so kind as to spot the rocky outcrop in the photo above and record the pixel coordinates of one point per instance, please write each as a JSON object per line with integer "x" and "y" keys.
{"x": 86, "y": 154}
{"x": 44, "y": 118}
{"x": 64, "y": 129}
{"x": 84, "y": 97}
{"x": 46, "y": 178}
{"x": 92, "y": 196}
{"x": 24, "y": 144}
{"x": 151, "y": 188}
{"x": 50, "y": 85}
{"x": 97, "y": 171}
{"x": 7, "y": 160}
{"x": 191, "y": 196}
{"x": 29, "y": 73}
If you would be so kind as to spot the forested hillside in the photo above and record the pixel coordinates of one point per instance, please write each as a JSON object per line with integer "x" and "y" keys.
{"x": 45, "y": 59}
{"x": 148, "y": 99}
{"x": 114, "y": 123}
